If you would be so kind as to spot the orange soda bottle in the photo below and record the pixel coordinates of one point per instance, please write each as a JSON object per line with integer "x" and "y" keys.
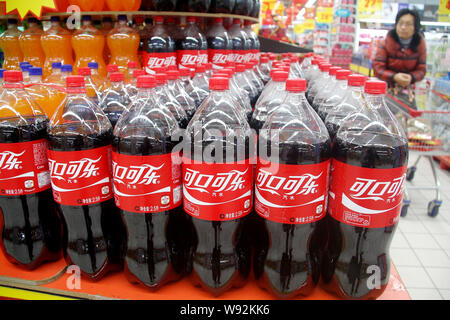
{"x": 30, "y": 43}
{"x": 88, "y": 44}
{"x": 56, "y": 45}
{"x": 56, "y": 76}
{"x": 123, "y": 5}
{"x": 9, "y": 42}
{"x": 47, "y": 97}
{"x": 96, "y": 78}
{"x": 123, "y": 42}
{"x": 107, "y": 26}
{"x": 89, "y": 5}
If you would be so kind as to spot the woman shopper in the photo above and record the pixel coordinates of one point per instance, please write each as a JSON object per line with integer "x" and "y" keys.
{"x": 401, "y": 57}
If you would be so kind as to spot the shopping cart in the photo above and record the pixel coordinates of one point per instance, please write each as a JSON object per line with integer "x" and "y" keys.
{"x": 428, "y": 136}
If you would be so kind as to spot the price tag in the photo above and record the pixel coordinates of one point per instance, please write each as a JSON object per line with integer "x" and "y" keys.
{"x": 324, "y": 15}
{"x": 23, "y": 6}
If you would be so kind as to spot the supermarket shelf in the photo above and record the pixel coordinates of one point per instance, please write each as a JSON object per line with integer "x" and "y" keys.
{"x": 47, "y": 16}
{"x": 18, "y": 284}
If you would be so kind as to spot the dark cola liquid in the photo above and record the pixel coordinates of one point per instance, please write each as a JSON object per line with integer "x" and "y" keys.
{"x": 164, "y": 5}
{"x": 352, "y": 250}
{"x": 113, "y": 105}
{"x": 222, "y": 6}
{"x": 95, "y": 234}
{"x": 220, "y": 255}
{"x": 256, "y": 9}
{"x": 31, "y": 227}
{"x": 287, "y": 257}
{"x": 243, "y": 7}
{"x": 156, "y": 242}
{"x": 332, "y": 129}
{"x": 193, "y": 5}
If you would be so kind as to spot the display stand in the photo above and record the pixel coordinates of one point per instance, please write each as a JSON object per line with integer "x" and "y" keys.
{"x": 50, "y": 281}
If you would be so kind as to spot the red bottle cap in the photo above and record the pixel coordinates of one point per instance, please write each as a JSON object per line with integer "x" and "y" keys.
{"x": 12, "y": 76}
{"x": 161, "y": 78}
{"x": 112, "y": 68}
{"x": 218, "y": 20}
{"x": 172, "y": 74}
{"x": 237, "y": 21}
{"x": 280, "y": 75}
{"x": 116, "y": 77}
{"x": 324, "y": 67}
{"x": 314, "y": 61}
{"x": 375, "y": 87}
{"x": 159, "y": 19}
{"x": 146, "y": 82}
{"x": 84, "y": 71}
{"x": 191, "y": 19}
{"x": 356, "y": 80}
{"x": 296, "y": 85}
{"x": 137, "y": 73}
{"x": 219, "y": 83}
{"x": 132, "y": 64}
{"x": 264, "y": 60}
{"x": 342, "y": 74}
{"x": 332, "y": 71}
{"x": 248, "y": 65}
{"x": 309, "y": 54}
{"x": 200, "y": 68}
{"x": 75, "y": 81}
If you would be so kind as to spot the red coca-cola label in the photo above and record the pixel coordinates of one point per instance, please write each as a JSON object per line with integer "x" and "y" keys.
{"x": 188, "y": 58}
{"x": 217, "y": 192}
{"x": 203, "y": 57}
{"x": 239, "y": 56}
{"x": 81, "y": 177}
{"x": 158, "y": 60}
{"x": 23, "y": 168}
{"x": 364, "y": 197}
{"x": 147, "y": 183}
{"x": 253, "y": 55}
{"x": 219, "y": 58}
{"x": 295, "y": 194}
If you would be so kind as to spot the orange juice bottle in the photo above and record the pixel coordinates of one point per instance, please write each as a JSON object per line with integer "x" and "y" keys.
{"x": 107, "y": 26}
{"x": 88, "y": 44}
{"x": 56, "y": 45}
{"x": 123, "y": 42}
{"x": 9, "y": 42}
{"x": 30, "y": 43}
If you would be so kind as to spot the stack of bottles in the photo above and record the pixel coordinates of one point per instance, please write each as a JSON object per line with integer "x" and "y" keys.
{"x": 211, "y": 174}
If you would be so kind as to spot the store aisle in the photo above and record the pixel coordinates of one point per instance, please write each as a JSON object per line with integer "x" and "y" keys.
{"x": 421, "y": 246}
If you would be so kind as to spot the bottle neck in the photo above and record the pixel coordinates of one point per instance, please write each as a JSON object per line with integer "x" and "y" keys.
{"x": 376, "y": 101}
{"x": 73, "y": 91}
{"x": 35, "y": 79}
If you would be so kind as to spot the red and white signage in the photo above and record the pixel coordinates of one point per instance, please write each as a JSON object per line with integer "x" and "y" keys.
{"x": 295, "y": 194}
{"x": 219, "y": 58}
{"x": 81, "y": 177}
{"x": 365, "y": 197}
{"x": 23, "y": 168}
{"x": 217, "y": 192}
{"x": 147, "y": 183}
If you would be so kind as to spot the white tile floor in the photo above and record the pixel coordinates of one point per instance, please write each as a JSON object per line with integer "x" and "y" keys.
{"x": 421, "y": 246}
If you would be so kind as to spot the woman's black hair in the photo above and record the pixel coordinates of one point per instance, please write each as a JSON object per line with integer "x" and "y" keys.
{"x": 416, "y": 37}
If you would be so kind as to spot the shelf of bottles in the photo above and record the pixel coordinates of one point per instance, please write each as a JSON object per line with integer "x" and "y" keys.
{"x": 47, "y": 16}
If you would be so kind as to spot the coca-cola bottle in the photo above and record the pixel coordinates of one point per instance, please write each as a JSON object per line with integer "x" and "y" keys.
{"x": 243, "y": 7}
{"x": 220, "y": 46}
{"x": 337, "y": 94}
{"x": 79, "y": 156}
{"x": 192, "y": 48}
{"x": 164, "y": 5}
{"x": 217, "y": 191}
{"x": 245, "y": 83}
{"x": 321, "y": 81}
{"x": 370, "y": 155}
{"x": 351, "y": 103}
{"x": 200, "y": 80}
{"x": 193, "y": 5}
{"x": 222, "y": 6}
{"x": 254, "y": 41}
{"x": 256, "y": 8}
{"x": 160, "y": 48}
{"x": 197, "y": 94}
{"x": 147, "y": 189}
{"x": 270, "y": 99}
{"x": 325, "y": 92}
{"x": 30, "y": 227}
{"x": 173, "y": 85}
{"x": 241, "y": 43}
{"x": 115, "y": 100}
{"x": 291, "y": 196}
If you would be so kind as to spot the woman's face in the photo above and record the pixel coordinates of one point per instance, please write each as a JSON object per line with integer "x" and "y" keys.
{"x": 405, "y": 26}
